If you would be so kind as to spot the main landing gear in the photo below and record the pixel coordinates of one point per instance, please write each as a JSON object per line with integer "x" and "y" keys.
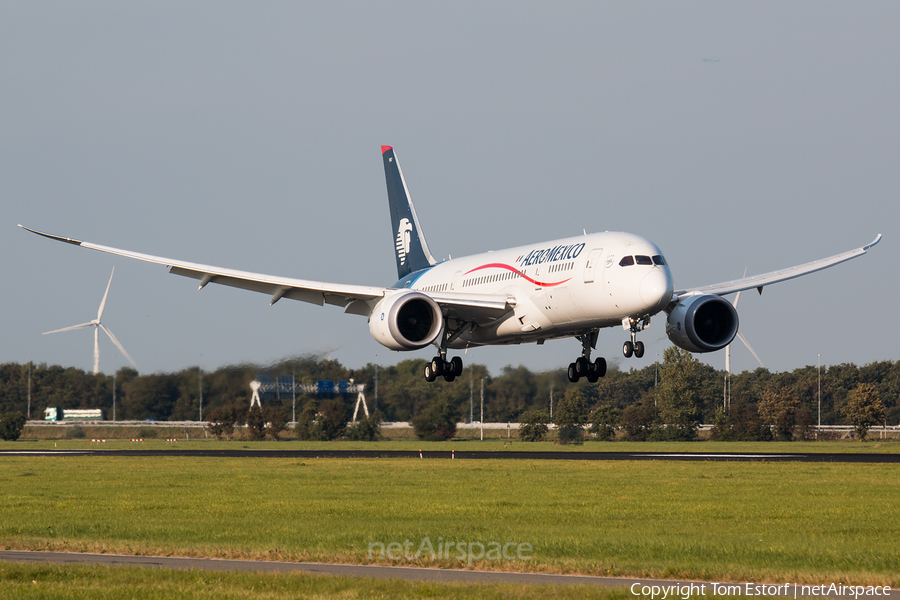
{"x": 583, "y": 367}
{"x": 440, "y": 366}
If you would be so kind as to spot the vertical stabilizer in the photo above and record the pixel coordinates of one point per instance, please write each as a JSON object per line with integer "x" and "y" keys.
{"x": 410, "y": 248}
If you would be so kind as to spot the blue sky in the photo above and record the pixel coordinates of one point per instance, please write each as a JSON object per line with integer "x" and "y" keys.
{"x": 247, "y": 135}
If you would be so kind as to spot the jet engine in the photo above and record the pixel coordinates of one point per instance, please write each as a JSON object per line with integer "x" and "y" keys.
{"x": 702, "y": 323}
{"x": 406, "y": 321}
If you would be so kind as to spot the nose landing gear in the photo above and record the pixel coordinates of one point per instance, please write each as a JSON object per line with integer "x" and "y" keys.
{"x": 634, "y": 348}
{"x": 583, "y": 367}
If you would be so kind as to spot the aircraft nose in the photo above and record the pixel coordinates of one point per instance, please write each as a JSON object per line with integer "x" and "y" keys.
{"x": 657, "y": 288}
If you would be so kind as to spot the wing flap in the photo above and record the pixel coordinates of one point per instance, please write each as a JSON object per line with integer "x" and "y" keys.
{"x": 474, "y": 308}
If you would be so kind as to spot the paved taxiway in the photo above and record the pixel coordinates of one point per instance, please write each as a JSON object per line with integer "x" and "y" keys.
{"x": 470, "y": 455}
{"x": 376, "y": 571}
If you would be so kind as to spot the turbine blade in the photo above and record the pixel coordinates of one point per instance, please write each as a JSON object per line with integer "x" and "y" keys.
{"x": 750, "y": 348}
{"x": 96, "y": 350}
{"x": 118, "y": 345}
{"x": 103, "y": 302}
{"x": 738, "y": 296}
{"x": 72, "y": 328}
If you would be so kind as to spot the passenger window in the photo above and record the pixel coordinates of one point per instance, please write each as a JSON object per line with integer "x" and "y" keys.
{"x": 626, "y": 261}
{"x": 643, "y": 260}
{"x": 658, "y": 260}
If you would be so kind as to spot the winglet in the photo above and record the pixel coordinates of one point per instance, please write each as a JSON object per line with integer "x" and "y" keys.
{"x": 385, "y": 149}
{"x": 53, "y": 237}
{"x": 875, "y": 241}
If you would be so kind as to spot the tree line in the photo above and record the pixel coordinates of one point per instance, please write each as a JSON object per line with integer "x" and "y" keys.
{"x": 678, "y": 390}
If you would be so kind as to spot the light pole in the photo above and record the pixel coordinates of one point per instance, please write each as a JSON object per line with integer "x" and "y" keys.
{"x": 376, "y": 383}
{"x": 200, "y": 389}
{"x": 482, "y": 409}
{"x": 551, "y": 400}
{"x": 819, "y": 379}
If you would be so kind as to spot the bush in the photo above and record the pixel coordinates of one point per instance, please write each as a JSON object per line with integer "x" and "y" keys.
{"x": 604, "y": 420}
{"x": 533, "y": 425}
{"x": 222, "y": 420}
{"x": 864, "y": 409}
{"x": 332, "y": 418}
{"x": 256, "y": 424}
{"x": 741, "y": 424}
{"x": 147, "y": 432}
{"x": 366, "y": 430}
{"x": 322, "y": 422}
{"x": 75, "y": 432}
{"x": 276, "y": 422}
{"x": 437, "y": 422}
{"x": 571, "y": 415}
{"x": 640, "y": 420}
{"x": 11, "y": 426}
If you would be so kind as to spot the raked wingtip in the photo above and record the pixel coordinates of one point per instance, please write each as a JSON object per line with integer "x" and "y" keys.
{"x": 875, "y": 241}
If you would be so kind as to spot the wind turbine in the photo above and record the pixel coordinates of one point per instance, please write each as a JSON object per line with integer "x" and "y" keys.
{"x": 727, "y": 400}
{"x": 97, "y": 325}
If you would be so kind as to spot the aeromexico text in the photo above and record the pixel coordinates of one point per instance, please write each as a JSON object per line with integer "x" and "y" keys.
{"x": 550, "y": 255}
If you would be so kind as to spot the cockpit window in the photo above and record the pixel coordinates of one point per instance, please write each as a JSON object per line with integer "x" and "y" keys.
{"x": 658, "y": 260}
{"x": 643, "y": 260}
{"x": 626, "y": 261}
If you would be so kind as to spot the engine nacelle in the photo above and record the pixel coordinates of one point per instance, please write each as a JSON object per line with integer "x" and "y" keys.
{"x": 406, "y": 321}
{"x": 702, "y": 323}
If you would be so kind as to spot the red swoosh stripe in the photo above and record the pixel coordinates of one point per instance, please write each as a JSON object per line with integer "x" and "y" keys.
{"x": 517, "y": 272}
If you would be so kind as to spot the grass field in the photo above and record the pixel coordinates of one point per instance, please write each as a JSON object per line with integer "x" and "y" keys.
{"x": 38, "y": 582}
{"x": 798, "y": 522}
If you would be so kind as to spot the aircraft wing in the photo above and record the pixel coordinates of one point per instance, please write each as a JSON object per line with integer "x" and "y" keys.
{"x": 760, "y": 281}
{"x": 356, "y": 299}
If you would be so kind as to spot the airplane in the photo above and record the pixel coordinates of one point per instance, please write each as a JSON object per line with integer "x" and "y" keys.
{"x": 565, "y": 288}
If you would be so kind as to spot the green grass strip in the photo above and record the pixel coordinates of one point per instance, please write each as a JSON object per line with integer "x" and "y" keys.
{"x": 39, "y": 582}
{"x": 797, "y": 522}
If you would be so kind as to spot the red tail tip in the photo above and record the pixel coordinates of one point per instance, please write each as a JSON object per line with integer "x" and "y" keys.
{"x": 385, "y": 149}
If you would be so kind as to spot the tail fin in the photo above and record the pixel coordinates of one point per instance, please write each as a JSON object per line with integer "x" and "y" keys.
{"x": 410, "y": 247}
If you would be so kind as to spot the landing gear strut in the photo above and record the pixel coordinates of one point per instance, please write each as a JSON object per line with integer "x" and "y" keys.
{"x": 583, "y": 367}
{"x": 439, "y": 365}
{"x": 634, "y": 348}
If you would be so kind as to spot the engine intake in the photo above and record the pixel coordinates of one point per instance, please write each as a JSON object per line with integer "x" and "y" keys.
{"x": 406, "y": 321}
{"x": 702, "y": 323}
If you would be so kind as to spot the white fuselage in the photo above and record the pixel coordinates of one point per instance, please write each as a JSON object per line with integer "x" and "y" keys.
{"x": 558, "y": 288}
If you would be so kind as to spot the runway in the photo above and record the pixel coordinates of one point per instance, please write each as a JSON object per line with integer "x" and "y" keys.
{"x": 389, "y": 572}
{"x": 478, "y": 455}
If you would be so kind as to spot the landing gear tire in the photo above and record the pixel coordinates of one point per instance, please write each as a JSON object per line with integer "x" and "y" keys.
{"x": 582, "y": 366}
{"x": 437, "y": 366}
{"x": 440, "y": 367}
{"x": 456, "y": 366}
{"x": 573, "y": 376}
{"x": 600, "y": 366}
{"x": 628, "y": 349}
{"x": 639, "y": 349}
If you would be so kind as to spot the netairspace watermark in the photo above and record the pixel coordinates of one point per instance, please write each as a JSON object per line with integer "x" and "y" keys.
{"x": 449, "y": 550}
{"x": 790, "y": 590}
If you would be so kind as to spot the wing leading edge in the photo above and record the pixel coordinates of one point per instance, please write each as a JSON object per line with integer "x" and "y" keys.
{"x": 760, "y": 281}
